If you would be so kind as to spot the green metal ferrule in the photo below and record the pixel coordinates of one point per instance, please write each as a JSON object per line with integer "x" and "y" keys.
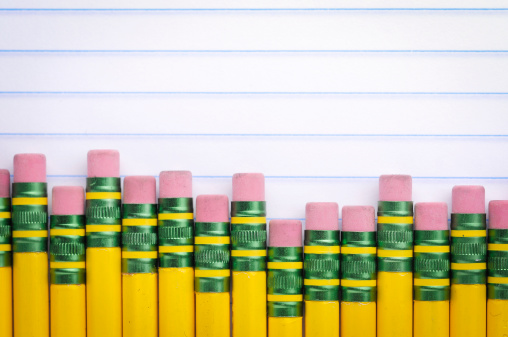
{"x": 395, "y": 235}
{"x": 321, "y": 265}
{"x": 432, "y": 262}
{"x": 248, "y": 232}
{"x": 5, "y": 233}
{"x": 285, "y": 282}
{"x": 139, "y": 238}
{"x": 67, "y": 249}
{"x": 212, "y": 257}
{"x": 176, "y": 231}
{"x": 358, "y": 264}
{"x": 29, "y": 217}
{"x": 497, "y": 287}
{"x": 103, "y": 212}
{"x": 468, "y": 248}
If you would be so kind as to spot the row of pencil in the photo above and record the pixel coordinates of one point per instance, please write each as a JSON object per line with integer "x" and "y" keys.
{"x": 147, "y": 268}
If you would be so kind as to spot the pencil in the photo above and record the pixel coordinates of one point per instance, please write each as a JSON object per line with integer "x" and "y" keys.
{"x": 5, "y": 255}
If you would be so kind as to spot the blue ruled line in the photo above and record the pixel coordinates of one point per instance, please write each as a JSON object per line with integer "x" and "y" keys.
{"x": 305, "y": 177}
{"x": 150, "y": 51}
{"x": 244, "y": 9}
{"x": 80, "y": 134}
{"x": 242, "y": 93}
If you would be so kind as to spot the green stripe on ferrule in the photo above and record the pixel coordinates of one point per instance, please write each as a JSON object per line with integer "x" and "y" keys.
{"x": 139, "y": 239}
{"x": 103, "y": 212}
{"x": 67, "y": 248}
{"x": 211, "y": 257}
{"x": 5, "y": 232}
{"x": 432, "y": 265}
{"x": 30, "y": 218}
{"x": 176, "y": 232}
{"x": 358, "y": 266}
{"x": 322, "y": 266}
{"x": 468, "y": 249}
{"x": 395, "y": 236}
{"x": 497, "y": 264}
{"x": 251, "y": 236}
{"x": 284, "y": 282}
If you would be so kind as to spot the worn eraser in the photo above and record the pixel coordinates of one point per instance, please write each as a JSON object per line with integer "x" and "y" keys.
{"x": 103, "y": 163}
{"x": 395, "y": 187}
{"x": 175, "y": 184}
{"x": 322, "y": 216}
{"x": 498, "y": 214}
{"x": 68, "y": 200}
{"x": 139, "y": 190}
{"x": 468, "y": 199}
{"x": 248, "y": 187}
{"x": 285, "y": 233}
{"x": 5, "y": 183}
{"x": 212, "y": 208}
{"x": 431, "y": 216}
{"x": 30, "y": 168}
{"x": 358, "y": 219}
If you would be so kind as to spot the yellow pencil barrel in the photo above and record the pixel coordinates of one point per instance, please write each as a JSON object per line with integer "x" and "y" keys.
{"x": 497, "y": 316}
{"x": 432, "y": 318}
{"x": 285, "y": 326}
{"x": 212, "y": 314}
{"x": 468, "y": 307}
{"x": 358, "y": 319}
{"x": 68, "y": 310}
{"x": 6, "y": 302}
{"x": 321, "y": 318}
{"x": 140, "y": 305}
{"x": 5, "y": 263}
{"x": 250, "y": 286}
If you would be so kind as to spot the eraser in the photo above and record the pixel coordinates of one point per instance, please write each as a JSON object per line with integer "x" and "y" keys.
{"x": 248, "y": 187}
{"x": 30, "y": 168}
{"x": 498, "y": 214}
{"x": 175, "y": 184}
{"x": 322, "y": 216}
{"x": 285, "y": 233}
{"x": 103, "y": 163}
{"x": 212, "y": 208}
{"x": 431, "y": 216}
{"x": 139, "y": 190}
{"x": 358, "y": 219}
{"x": 395, "y": 187}
{"x": 5, "y": 183}
{"x": 468, "y": 199}
{"x": 68, "y": 200}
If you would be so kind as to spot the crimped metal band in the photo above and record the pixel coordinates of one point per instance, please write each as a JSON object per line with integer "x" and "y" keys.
{"x": 497, "y": 264}
{"x": 285, "y": 282}
{"x": 5, "y": 233}
{"x": 468, "y": 249}
{"x": 248, "y": 235}
{"x": 139, "y": 239}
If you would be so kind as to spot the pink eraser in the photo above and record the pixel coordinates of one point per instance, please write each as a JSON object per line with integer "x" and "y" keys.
{"x": 212, "y": 208}
{"x": 68, "y": 200}
{"x": 103, "y": 163}
{"x": 431, "y": 216}
{"x": 5, "y": 183}
{"x": 139, "y": 190}
{"x": 396, "y": 187}
{"x": 248, "y": 187}
{"x": 175, "y": 184}
{"x": 468, "y": 199}
{"x": 498, "y": 214}
{"x": 30, "y": 168}
{"x": 322, "y": 216}
{"x": 358, "y": 219}
{"x": 285, "y": 233}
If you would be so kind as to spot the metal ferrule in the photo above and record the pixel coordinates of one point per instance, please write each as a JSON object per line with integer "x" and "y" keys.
{"x": 432, "y": 265}
{"x": 67, "y": 249}
{"x": 29, "y": 217}
{"x": 285, "y": 282}
{"x": 212, "y": 257}
{"x": 248, "y": 235}
{"x": 359, "y": 267}
{"x": 176, "y": 233}
{"x": 321, "y": 265}
{"x": 139, "y": 238}
{"x": 103, "y": 212}
{"x": 469, "y": 248}
{"x": 5, "y": 233}
{"x": 497, "y": 281}
{"x": 395, "y": 236}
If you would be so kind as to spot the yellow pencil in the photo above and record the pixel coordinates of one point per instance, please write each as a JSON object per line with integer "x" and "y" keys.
{"x": 139, "y": 258}
{"x": 5, "y": 255}
{"x": 248, "y": 254}
{"x": 67, "y": 262}
{"x": 30, "y": 246}
{"x": 176, "y": 257}
{"x": 103, "y": 251}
